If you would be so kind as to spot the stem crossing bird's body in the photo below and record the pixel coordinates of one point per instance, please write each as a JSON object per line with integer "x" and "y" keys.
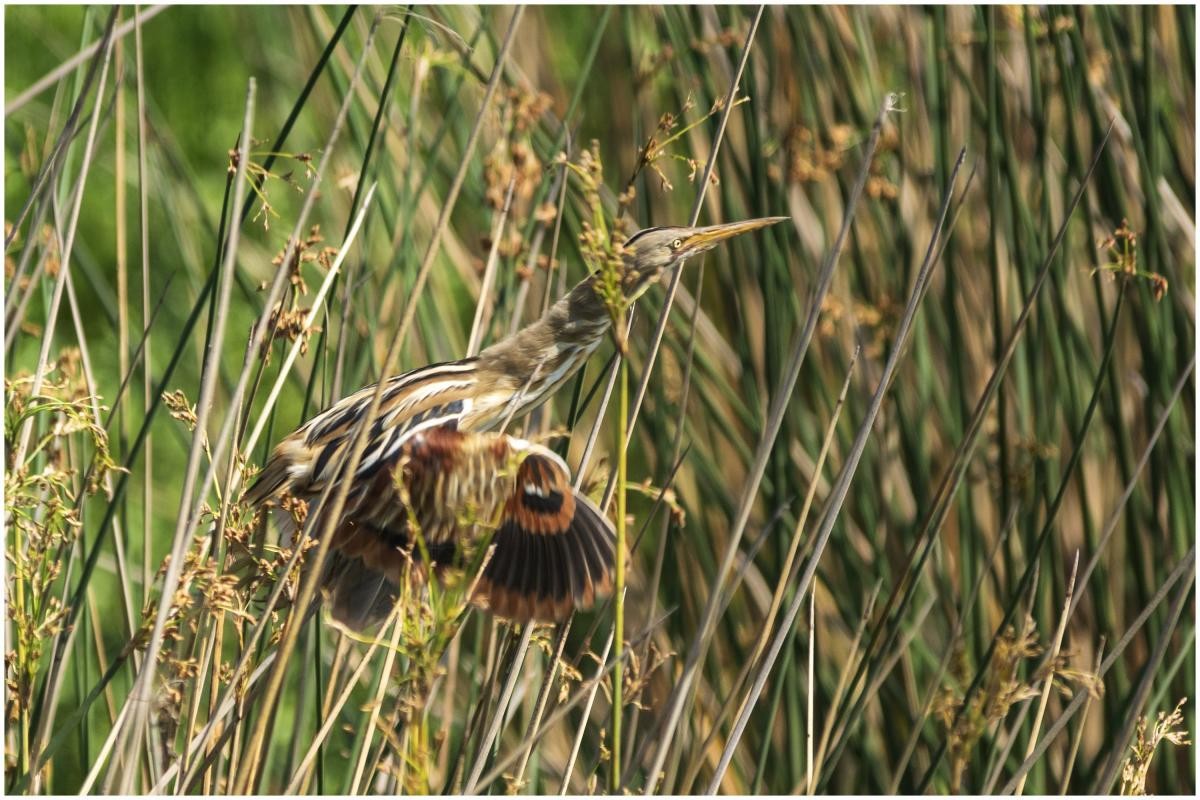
{"x": 432, "y": 465}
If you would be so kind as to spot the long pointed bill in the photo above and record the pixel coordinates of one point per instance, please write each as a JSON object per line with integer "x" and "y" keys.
{"x": 709, "y": 236}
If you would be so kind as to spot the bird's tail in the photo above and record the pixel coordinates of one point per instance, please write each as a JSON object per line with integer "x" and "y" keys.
{"x": 555, "y": 550}
{"x": 358, "y": 596}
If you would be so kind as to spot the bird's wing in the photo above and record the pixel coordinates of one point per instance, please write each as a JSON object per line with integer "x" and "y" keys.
{"x": 432, "y": 396}
{"x": 555, "y": 550}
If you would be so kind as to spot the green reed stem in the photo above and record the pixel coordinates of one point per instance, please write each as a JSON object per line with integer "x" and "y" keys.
{"x": 619, "y": 578}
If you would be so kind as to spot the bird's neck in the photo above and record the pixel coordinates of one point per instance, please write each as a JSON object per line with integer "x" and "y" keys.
{"x": 540, "y": 357}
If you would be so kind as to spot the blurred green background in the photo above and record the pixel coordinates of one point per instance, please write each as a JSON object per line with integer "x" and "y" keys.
{"x": 1029, "y": 92}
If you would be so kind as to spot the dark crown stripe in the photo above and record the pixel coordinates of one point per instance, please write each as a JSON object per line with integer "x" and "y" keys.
{"x": 642, "y": 233}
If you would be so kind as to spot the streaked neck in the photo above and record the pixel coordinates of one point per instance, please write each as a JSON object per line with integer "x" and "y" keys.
{"x": 536, "y": 360}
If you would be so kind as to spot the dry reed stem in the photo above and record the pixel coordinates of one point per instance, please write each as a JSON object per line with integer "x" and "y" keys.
{"x": 140, "y": 694}
{"x": 1186, "y": 566}
{"x": 62, "y": 70}
{"x": 543, "y": 698}
{"x": 789, "y": 561}
{"x": 1077, "y": 739}
{"x": 483, "y": 308}
{"x": 147, "y": 317}
{"x": 948, "y": 651}
{"x": 842, "y": 485}
{"x": 485, "y": 744}
{"x": 248, "y": 779}
{"x": 587, "y": 712}
{"x": 775, "y": 415}
{"x": 381, "y": 687}
{"x": 844, "y": 679}
{"x": 1049, "y": 680}
{"x": 304, "y": 769}
{"x": 810, "y": 785}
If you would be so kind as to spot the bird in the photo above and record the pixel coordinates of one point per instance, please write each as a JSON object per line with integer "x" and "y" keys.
{"x": 435, "y": 464}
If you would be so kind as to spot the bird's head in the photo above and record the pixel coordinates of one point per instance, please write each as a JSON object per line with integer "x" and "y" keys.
{"x": 649, "y": 252}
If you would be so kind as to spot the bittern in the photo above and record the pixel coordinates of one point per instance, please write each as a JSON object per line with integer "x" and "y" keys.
{"x": 431, "y": 461}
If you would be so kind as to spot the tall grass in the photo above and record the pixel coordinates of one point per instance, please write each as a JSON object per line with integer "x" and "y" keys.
{"x": 963, "y": 433}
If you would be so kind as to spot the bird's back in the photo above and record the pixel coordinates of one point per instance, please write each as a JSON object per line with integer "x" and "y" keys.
{"x": 303, "y": 462}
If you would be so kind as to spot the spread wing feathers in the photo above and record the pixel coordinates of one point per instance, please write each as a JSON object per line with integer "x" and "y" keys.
{"x": 437, "y": 395}
{"x": 555, "y": 550}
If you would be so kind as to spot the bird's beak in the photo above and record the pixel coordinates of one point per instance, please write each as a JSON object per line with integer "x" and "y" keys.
{"x": 709, "y": 236}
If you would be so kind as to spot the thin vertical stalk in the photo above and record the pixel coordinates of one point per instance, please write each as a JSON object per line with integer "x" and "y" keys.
{"x": 122, "y": 235}
{"x": 329, "y": 506}
{"x": 500, "y": 713}
{"x": 1049, "y": 680}
{"x": 587, "y": 712}
{"x": 842, "y": 486}
{"x": 147, "y": 317}
{"x": 812, "y": 638}
{"x": 1078, "y": 738}
{"x": 543, "y": 697}
{"x": 300, "y": 777}
{"x": 485, "y": 302}
{"x": 619, "y": 581}
{"x": 683, "y": 687}
{"x": 140, "y": 695}
{"x": 381, "y": 686}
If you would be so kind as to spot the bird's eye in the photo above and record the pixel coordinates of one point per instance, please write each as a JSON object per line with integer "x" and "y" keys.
{"x": 678, "y": 243}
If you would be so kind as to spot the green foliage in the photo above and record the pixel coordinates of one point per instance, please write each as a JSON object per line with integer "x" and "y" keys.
{"x": 590, "y": 96}
{"x": 44, "y": 488}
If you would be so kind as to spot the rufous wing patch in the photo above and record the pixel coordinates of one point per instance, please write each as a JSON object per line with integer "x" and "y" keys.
{"x": 554, "y": 549}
